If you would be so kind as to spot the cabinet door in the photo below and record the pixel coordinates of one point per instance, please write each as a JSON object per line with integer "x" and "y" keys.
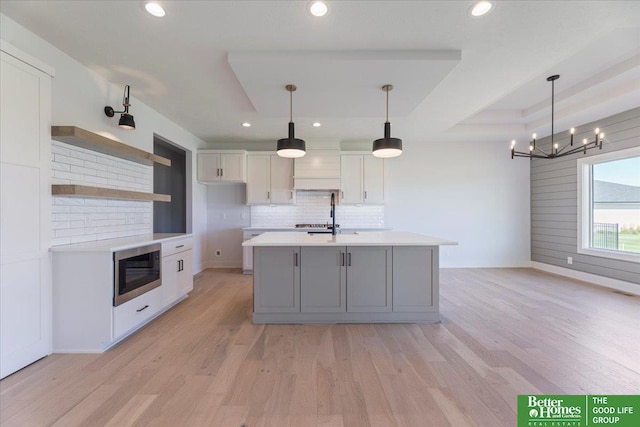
{"x": 323, "y": 278}
{"x": 185, "y": 273}
{"x": 258, "y": 184}
{"x": 415, "y": 279}
{"x": 208, "y": 167}
{"x": 281, "y": 181}
{"x": 25, "y": 214}
{"x": 276, "y": 280}
{"x": 373, "y": 180}
{"x": 369, "y": 279}
{"x": 351, "y": 178}
{"x": 233, "y": 167}
{"x": 170, "y": 267}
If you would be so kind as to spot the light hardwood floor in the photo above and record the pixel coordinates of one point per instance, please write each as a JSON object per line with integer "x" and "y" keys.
{"x": 504, "y": 332}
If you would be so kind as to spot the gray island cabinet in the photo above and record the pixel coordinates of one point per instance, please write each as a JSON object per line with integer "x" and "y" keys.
{"x": 360, "y": 278}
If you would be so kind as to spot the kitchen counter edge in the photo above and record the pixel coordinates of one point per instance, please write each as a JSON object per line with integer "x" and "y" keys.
{"x": 367, "y": 238}
{"x": 114, "y": 245}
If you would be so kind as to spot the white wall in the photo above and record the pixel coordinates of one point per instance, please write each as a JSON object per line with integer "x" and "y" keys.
{"x": 227, "y": 214}
{"x": 472, "y": 193}
{"x": 78, "y": 98}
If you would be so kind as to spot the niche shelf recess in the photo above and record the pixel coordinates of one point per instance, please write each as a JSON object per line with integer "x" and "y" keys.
{"x": 79, "y": 137}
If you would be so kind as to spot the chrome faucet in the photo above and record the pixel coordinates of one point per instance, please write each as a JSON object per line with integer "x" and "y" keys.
{"x": 333, "y": 214}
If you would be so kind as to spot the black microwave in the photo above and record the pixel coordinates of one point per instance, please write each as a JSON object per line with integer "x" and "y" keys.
{"x": 137, "y": 271}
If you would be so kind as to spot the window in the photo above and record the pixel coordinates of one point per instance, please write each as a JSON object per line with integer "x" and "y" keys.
{"x": 609, "y": 205}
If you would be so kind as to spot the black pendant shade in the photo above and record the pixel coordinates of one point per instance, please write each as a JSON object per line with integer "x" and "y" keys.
{"x": 127, "y": 122}
{"x": 291, "y": 146}
{"x": 387, "y": 147}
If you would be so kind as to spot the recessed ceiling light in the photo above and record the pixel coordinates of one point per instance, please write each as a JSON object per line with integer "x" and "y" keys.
{"x": 480, "y": 8}
{"x": 246, "y": 124}
{"x": 317, "y": 124}
{"x": 154, "y": 8}
{"x": 318, "y": 8}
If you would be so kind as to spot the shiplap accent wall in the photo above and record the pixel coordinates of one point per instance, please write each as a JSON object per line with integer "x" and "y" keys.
{"x": 84, "y": 219}
{"x": 554, "y": 200}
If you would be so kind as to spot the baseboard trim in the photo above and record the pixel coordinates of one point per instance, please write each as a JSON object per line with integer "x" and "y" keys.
{"x": 606, "y": 282}
{"x": 223, "y": 264}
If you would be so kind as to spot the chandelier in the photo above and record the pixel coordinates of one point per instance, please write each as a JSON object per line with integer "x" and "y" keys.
{"x": 557, "y": 151}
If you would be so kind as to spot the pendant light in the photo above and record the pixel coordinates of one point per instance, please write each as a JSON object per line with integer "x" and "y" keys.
{"x": 387, "y": 147}
{"x": 291, "y": 147}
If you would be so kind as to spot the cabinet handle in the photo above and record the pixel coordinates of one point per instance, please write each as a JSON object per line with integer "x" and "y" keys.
{"x": 268, "y": 194}
{"x": 349, "y": 259}
{"x": 292, "y": 195}
{"x": 341, "y": 259}
{"x": 180, "y": 265}
{"x": 179, "y": 246}
{"x": 218, "y": 172}
{"x": 342, "y": 194}
{"x": 295, "y": 259}
{"x": 365, "y": 194}
{"x": 143, "y": 308}
{"x": 221, "y": 172}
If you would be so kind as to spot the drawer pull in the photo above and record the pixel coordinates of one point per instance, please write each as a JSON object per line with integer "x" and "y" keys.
{"x": 179, "y": 246}
{"x": 143, "y": 308}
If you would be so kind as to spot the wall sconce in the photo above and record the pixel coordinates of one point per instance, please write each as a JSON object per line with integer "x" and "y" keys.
{"x": 126, "y": 119}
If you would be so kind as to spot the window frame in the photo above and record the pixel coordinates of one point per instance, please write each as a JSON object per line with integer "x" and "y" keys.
{"x": 584, "y": 197}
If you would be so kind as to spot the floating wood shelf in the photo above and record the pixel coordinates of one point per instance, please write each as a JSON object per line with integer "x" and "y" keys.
{"x": 92, "y": 141}
{"x": 106, "y": 193}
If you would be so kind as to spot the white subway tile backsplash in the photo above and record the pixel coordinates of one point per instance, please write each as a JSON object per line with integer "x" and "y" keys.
{"x": 78, "y": 219}
{"x": 313, "y": 207}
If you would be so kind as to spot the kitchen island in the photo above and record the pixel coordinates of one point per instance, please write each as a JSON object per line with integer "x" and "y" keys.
{"x": 363, "y": 277}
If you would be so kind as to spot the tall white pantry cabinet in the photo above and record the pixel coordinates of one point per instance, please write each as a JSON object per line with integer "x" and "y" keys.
{"x": 25, "y": 209}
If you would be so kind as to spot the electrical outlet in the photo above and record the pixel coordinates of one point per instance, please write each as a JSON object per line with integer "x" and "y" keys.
{"x": 569, "y": 260}
{"x": 218, "y": 253}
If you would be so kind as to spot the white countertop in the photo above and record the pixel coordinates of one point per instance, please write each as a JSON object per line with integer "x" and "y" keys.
{"x": 365, "y": 238}
{"x": 312, "y": 229}
{"x": 113, "y": 245}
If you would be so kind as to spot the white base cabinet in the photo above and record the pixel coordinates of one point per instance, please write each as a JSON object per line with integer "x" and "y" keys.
{"x": 84, "y": 318}
{"x": 177, "y": 269}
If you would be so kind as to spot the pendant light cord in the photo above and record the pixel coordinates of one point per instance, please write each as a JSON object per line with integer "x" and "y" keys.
{"x": 553, "y": 91}
{"x": 387, "y": 104}
{"x": 291, "y": 106}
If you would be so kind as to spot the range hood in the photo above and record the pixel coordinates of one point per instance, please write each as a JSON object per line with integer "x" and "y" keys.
{"x": 317, "y": 170}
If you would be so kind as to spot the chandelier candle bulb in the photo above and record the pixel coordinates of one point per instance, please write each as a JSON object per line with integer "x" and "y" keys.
{"x": 572, "y": 131}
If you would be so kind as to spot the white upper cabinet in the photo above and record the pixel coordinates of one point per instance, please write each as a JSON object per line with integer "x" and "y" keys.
{"x": 362, "y": 179}
{"x": 222, "y": 166}
{"x": 270, "y": 180}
